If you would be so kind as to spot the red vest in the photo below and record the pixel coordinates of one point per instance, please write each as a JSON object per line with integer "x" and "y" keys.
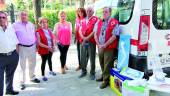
{"x": 90, "y": 27}
{"x": 109, "y": 29}
{"x": 83, "y": 25}
{"x": 77, "y": 26}
{"x": 43, "y": 40}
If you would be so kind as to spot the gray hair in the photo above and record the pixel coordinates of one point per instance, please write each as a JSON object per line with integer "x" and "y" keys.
{"x": 90, "y": 7}
{"x": 2, "y": 12}
{"x": 110, "y": 9}
{"x": 23, "y": 11}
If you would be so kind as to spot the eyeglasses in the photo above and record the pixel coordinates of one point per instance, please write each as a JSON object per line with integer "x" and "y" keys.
{"x": 2, "y": 17}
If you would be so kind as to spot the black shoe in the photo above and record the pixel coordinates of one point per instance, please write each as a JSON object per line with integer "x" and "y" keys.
{"x": 22, "y": 86}
{"x": 104, "y": 85}
{"x": 12, "y": 92}
{"x": 82, "y": 75}
{"x": 99, "y": 79}
{"x": 35, "y": 80}
{"x": 92, "y": 77}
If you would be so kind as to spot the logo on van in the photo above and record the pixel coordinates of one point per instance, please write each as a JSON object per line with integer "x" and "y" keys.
{"x": 167, "y": 37}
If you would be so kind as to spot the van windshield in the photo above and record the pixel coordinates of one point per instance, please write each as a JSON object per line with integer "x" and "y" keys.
{"x": 122, "y": 9}
{"x": 161, "y": 14}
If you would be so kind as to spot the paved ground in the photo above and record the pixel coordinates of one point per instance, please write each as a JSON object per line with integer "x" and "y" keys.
{"x": 63, "y": 85}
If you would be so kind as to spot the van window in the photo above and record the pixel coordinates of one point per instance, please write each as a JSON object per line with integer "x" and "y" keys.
{"x": 124, "y": 10}
{"x": 161, "y": 14}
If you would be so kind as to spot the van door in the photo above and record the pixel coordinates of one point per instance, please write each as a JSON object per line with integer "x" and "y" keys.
{"x": 160, "y": 31}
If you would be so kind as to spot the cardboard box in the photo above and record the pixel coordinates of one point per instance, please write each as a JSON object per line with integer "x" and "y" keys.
{"x": 116, "y": 80}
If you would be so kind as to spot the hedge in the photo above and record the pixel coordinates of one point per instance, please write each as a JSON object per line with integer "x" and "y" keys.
{"x": 52, "y": 16}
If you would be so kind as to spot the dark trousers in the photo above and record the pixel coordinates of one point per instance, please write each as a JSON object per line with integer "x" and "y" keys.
{"x": 106, "y": 59}
{"x": 44, "y": 58}
{"x": 63, "y": 54}
{"x": 78, "y": 52}
{"x": 8, "y": 65}
{"x": 86, "y": 52}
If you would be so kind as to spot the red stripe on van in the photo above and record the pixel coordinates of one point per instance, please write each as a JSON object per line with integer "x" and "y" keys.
{"x": 134, "y": 42}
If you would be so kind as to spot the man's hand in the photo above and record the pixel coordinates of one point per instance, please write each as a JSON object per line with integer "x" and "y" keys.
{"x": 51, "y": 49}
{"x": 102, "y": 46}
{"x": 85, "y": 39}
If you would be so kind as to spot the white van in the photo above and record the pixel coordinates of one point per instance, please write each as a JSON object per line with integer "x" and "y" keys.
{"x": 145, "y": 21}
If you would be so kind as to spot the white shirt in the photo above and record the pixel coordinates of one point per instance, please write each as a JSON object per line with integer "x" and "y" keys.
{"x": 8, "y": 40}
{"x": 48, "y": 37}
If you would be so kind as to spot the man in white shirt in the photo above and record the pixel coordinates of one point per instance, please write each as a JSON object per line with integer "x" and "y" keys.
{"x": 8, "y": 55}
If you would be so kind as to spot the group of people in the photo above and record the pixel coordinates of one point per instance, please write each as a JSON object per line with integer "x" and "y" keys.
{"x": 91, "y": 31}
{"x": 19, "y": 43}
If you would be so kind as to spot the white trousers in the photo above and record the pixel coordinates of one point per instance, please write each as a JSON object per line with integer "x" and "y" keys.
{"x": 27, "y": 53}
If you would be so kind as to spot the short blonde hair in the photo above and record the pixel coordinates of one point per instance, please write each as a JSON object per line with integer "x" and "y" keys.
{"x": 61, "y": 12}
{"x": 42, "y": 19}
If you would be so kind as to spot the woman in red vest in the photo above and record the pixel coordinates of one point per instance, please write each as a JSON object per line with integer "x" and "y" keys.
{"x": 81, "y": 14}
{"x": 45, "y": 46}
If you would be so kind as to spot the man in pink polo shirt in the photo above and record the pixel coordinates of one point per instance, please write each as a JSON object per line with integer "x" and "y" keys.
{"x": 25, "y": 32}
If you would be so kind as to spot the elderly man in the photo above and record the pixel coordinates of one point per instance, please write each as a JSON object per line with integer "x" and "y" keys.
{"x": 88, "y": 47}
{"x": 106, "y": 32}
{"x": 25, "y": 32}
{"x": 8, "y": 55}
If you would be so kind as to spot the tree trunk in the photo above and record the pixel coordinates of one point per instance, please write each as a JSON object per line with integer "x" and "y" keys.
{"x": 82, "y": 2}
{"x": 37, "y": 10}
{"x": 62, "y": 2}
{"x": 12, "y": 16}
{"x": 77, "y": 3}
{"x": 70, "y": 2}
{"x": 94, "y": 1}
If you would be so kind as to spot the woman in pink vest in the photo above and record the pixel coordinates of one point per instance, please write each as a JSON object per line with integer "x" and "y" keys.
{"x": 81, "y": 14}
{"x": 45, "y": 46}
{"x": 63, "y": 32}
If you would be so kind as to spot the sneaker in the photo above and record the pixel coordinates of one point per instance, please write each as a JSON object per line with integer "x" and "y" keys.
{"x": 45, "y": 78}
{"x": 12, "y": 92}
{"x": 35, "y": 80}
{"x": 99, "y": 79}
{"x": 104, "y": 84}
{"x": 52, "y": 73}
{"x": 22, "y": 86}
{"x": 92, "y": 77}
{"x": 82, "y": 75}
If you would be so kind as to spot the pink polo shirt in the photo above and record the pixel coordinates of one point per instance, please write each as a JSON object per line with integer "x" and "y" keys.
{"x": 64, "y": 32}
{"x": 25, "y": 32}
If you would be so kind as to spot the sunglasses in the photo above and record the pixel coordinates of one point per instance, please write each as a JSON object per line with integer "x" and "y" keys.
{"x": 2, "y": 17}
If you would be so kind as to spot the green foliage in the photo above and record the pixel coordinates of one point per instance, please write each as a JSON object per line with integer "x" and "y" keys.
{"x": 52, "y": 16}
{"x": 20, "y": 4}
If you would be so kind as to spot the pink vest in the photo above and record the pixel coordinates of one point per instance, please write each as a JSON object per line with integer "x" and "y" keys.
{"x": 64, "y": 33}
{"x": 109, "y": 29}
